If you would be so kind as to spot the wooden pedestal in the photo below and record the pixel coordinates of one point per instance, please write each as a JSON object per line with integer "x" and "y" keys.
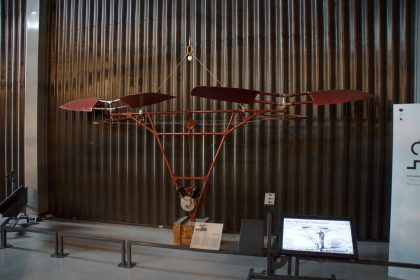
{"x": 183, "y": 234}
{"x": 183, "y": 230}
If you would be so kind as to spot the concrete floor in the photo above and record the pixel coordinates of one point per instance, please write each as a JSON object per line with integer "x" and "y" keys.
{"x": 29, "y": 258}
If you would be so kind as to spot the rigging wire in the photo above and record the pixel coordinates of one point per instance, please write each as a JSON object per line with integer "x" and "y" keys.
{"x": 189, "y": 53}
{"x": 208, "y": 71}
{"x": 170, "y": 74}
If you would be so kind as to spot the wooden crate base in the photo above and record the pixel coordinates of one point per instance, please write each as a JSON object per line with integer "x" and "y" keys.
{"x": 183, "y": 234}
{"x": 183, "y": 230}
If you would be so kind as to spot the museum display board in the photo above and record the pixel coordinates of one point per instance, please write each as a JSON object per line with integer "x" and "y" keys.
{"x": 404, "y": 245}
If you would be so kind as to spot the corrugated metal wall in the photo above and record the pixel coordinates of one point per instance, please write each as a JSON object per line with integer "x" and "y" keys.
{"x": 337, "y": 162}
{"x": 12, "y": 91}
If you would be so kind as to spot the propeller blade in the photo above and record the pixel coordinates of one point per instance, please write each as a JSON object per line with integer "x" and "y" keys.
{"x": 139, "y": 100}
{"x": 81, "y": 105}
{"x": 236, "y": 95}
{"x": 337, "y": 96}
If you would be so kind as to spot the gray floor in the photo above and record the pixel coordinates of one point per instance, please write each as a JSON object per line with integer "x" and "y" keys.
{"x": 29, "y": 257}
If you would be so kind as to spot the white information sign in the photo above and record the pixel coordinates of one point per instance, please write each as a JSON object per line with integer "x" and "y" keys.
{"x": 207, "y": 236}
{"x": 404, "y": 243}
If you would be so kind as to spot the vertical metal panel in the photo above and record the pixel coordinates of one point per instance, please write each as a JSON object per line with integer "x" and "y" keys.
{"x": 337, "y": 162}
{"x": 35, "y": 97}
{"x": 416, "y": 53}
{"x": 12, "y": 81}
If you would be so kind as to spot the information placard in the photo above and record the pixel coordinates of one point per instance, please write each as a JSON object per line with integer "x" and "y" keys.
{"x": 314, "y": 236}
{"x": 207, "y": 236}
{"x": 404, "y": 245}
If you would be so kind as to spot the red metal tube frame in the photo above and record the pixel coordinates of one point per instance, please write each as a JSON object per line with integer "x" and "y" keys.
{"x": 146, "y": 120}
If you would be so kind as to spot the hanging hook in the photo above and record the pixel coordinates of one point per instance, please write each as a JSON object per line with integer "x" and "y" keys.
{"x": 189, "y": 50}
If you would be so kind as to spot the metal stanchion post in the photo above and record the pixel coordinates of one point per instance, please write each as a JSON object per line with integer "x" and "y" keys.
{"x": 269, "y": 256}
{"x": 129, "y": 263}
{"x": 126, "y": 255}
{"x": 3, "y": 237}
{"x": 59, "y": 245}
{"x": 289, "y": 265}
{"x": 55, "y": 255}
{"x": 269, "y": 209}
{"x": 128, "y": 249}
{"x": 297, "y": 266}
{"x": 123, "y": 262}
{"x": 56, "y": 243}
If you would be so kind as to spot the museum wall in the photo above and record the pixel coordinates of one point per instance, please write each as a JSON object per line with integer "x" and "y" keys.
{"x": 335, "y": 162}
{"x": 12, "y": 92}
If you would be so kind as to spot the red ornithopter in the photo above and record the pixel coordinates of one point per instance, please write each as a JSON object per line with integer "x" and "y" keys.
{"x": 192, "y": 198}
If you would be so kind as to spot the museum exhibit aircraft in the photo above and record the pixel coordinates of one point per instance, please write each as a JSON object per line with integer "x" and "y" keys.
{"x": 191, "y": 189}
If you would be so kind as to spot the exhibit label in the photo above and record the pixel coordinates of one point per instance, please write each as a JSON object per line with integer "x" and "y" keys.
{"x": 207, "y": 236}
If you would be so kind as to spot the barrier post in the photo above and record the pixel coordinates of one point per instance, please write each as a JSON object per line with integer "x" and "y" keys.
{"x": 129, "y": 263}
{"x": 59, "y": 246}
{"x": 58, "y": 251}
{"x": 3, "y": 237}
{"x": 123, "y": 262}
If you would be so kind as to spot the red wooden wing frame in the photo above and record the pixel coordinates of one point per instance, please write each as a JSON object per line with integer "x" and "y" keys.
{"x": 81, "y": 105}
{"x": 237, "y": 95}
{"x": 246, "y": 96}
{"x": 145, "y": 98}
{"x": 337, "y": 96}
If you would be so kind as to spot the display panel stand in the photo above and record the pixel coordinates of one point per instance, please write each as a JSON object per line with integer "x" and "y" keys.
{"x": 272, "y": 261}
{"x": 405, "y": 221}
{"x": 251, "y": 238}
